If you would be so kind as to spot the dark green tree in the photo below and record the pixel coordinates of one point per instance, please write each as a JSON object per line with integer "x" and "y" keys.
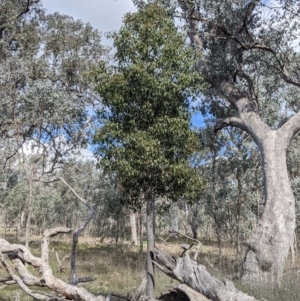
{"x": 146, "y": 138}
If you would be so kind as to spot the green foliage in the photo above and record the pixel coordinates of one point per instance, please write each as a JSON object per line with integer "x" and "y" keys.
{"x": 233, "y": 196}
{"x": 43, "y": 61}
{"x": 146, "y": 138}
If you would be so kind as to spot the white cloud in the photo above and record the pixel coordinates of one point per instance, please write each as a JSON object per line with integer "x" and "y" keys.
{"x": 105, "y": 15}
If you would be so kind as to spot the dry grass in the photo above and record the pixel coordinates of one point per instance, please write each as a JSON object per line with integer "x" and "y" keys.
{"x": 120, "y": 268}
{"x": 116, "y": 268}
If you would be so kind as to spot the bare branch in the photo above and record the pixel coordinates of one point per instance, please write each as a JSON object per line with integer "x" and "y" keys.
{"x": 230, "y": 121}
{"x": 290, "y": 128}
{"x": 78, "y": 230}
{"x": 20, "y": 254}
{"x": 7, "y": 281}
{"x": 199, "y": 244}
{"x": 46, "y": 238}
{"x": 26, "y": 10}
{"x": 82, "y": 200}
{"x": 60, "y": 262}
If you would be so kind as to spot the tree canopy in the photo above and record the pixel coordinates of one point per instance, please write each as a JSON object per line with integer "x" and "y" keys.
{"x": 44, "y": 91}
{"x": 146, "y": 138}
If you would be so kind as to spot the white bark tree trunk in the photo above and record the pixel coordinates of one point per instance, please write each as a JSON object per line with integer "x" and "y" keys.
{"x": 150, "y": 288}
{"x": 29, "y": 214}
{"x": 269, "y": 245}
{"x": 133, "y": 228}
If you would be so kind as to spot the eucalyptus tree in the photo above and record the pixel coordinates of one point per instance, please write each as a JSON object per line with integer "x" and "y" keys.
{"x": 146, "y": 138}
{"x": 247, "y": 52}
{"x": 44, "y": 92}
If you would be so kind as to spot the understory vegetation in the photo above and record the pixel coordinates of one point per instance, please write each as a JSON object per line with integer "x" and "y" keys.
{"x": 119, "y": 268}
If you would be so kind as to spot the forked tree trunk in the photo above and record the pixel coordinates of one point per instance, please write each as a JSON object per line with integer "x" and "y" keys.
{"x": 269, "y": 245}
{"x": 150, "y": 288}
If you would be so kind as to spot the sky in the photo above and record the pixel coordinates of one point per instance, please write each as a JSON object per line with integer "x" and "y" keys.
{"x": 105, "y": 15}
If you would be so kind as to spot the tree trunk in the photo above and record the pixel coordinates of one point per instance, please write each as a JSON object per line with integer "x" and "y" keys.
{"x": 20, "y": 224}
{"x": 133, "y": 228}
{"x": 150, "y": 288}
{"x": 73, "y": 259}
{"x": 193, "y": 221}
{"x": 174, "y": 219}
{"x": 238, "y": 213}
{"x": 29, "y": 214}
{"x": 141, "y": 231}
{"x": 269, "y": 245}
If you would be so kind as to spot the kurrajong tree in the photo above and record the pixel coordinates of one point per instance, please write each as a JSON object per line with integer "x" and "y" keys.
{"x": 248, "y": 53}
{"x": 146, "y": 139}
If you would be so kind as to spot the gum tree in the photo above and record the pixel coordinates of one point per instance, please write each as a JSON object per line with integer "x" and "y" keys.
{"x": 146, "y": 139}
{"x": 248, "y": 53}
{"x": 43, "y": 90}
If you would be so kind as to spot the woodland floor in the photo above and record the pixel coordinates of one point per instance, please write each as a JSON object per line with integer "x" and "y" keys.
{"x": 120, "y": 268}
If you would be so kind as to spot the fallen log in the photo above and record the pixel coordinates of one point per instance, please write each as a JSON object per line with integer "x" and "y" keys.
{"x": 182, "y": 293}
{"x": 21, "y": 257}
{"x": 197, "y": 279}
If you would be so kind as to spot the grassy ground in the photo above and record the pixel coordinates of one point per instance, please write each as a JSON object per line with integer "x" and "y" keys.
{"x": 120, "y": 268}
{"x": 117, "y": 268}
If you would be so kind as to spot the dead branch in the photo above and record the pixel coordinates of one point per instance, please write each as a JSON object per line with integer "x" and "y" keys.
{"x": 197, "y": 278}
{"x": 164, "y": 241}
{"x": 7, "y": 281}
{"x": 120, "y": 296}
{"x": 199, "y": 244}
{"x": 211, "y": 265}
{"x": 78, "y": 230}
{"x": 20, "y": 282}
{"x": 139, "y": 290}
{"x": 20, "y": 255}
{"x": 60, "y": 262}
